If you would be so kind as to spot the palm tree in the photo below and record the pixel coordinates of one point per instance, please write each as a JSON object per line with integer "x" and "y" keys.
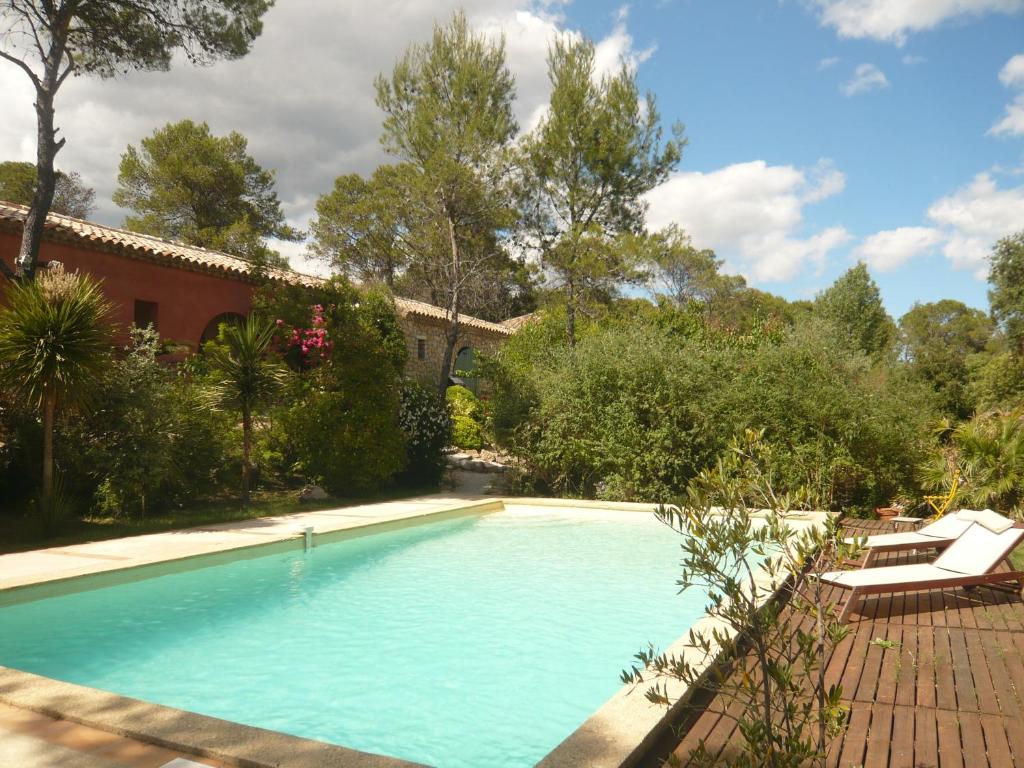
{"x": 245, "y": 379}
{"x": 989, "y": 451}
{"x": 55, "y": 338}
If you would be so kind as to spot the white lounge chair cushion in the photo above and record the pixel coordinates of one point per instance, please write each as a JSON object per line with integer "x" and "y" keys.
{"x": 890, "y": 574}
{"x": 905, "y": 539}
{"x": 986, "y": 517}
{"x": 978, "y": 551}
{"x": 945, "y": 528}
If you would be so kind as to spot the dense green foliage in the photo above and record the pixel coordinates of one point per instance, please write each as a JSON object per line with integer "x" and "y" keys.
{"x": 339, "y": 416}
{"x": 1006, "y": 296}
{"x": 936, "y": 341}
{"x": 242, "y": 379}
{"x": 640, "y": 408}
{"x": 467, "y": 414}
{"x": 854, "y": 304}
{"x": 54, "y": 344}
{"x": 312, "y": 393}
{"x": 427, "y": 427}
{"x": 148, "y": 439}
{"x": 184, "y": 183}
{"x": 18, "y": 182}
{"x": 988, "y": 450}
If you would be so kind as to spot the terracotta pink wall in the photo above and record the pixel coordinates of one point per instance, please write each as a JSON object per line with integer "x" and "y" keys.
{"x": 186, "y": 301}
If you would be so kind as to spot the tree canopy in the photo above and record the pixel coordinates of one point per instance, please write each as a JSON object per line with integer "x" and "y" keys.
{"x": 448, "y": 117}
{"x": 854, "y": 303}
{"x": 587, "y": 165}
{"x": 18, "y": 181}
{"x": 361, "y": 224}
{"x": 936, "y": 340}
{"x": 49, "y": 41}
{"x": 184, "y": 183}
{"x": 1006, "y": 295}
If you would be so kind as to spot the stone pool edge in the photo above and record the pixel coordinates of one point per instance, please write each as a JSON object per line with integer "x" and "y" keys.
{"x": 616, "y": 735}
{"x": 179, "y": 730}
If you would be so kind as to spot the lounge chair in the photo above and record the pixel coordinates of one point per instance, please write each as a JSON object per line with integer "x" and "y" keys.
{"x": 936, "y": 535}
{"x": 969, "y": 561}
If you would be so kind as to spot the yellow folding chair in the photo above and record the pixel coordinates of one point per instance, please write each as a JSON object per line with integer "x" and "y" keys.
{"x": 942, "y": 503}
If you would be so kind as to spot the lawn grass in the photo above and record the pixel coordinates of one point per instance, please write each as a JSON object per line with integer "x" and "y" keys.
{"x": 1017, "y": 558}
{"x": 21, "y": 532}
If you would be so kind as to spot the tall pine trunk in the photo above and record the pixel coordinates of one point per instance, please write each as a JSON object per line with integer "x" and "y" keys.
{"x": 451, "y": 336}
{"x": 47, "y": 148}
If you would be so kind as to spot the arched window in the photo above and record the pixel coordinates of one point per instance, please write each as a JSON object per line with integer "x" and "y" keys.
{"x": 212, "y": 327}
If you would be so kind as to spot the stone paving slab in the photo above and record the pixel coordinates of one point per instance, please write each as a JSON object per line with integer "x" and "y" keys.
{"x": 45, "y": 565}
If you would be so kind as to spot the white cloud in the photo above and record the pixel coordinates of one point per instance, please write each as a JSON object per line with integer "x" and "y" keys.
{"x": 829, "y": 62}
{"x": 893, "y": 20}
{"x": 616, "y": 48}
{"x": 751, "y": 214}
{"x": 892, "y": 248}
{"x": 974, "y": 218}
{"x": 965, "y": 225}
{"x": 1012, "y": 73}
{"x": 912, "y": 60}
{"x": 308, "y": 110}
{"x": 1012, "y": 122}
{"x": 866, "y": 77}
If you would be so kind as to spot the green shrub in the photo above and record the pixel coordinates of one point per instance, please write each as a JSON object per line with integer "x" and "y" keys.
{"x": 147, "y": 441}
{"x": 637, "y": 409}
{"x": 467, "y": 418}
{"x": 20, "y": 447}
{"x": 341, "y": 427}
{"x": 466, "y": 433}
{"x": 989, "y": 452}
{"x": 427, "y": 429}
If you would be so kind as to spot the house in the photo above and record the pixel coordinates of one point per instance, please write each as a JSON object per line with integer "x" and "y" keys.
{"x": 186, "y": 291}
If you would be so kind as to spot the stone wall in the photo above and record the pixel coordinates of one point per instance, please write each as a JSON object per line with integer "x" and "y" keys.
{"x": 431, "y": 331}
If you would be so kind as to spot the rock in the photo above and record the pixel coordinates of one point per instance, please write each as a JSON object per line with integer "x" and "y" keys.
{"x": 312, "y": 493}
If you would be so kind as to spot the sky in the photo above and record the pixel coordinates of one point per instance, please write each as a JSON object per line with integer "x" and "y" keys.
{"x": 821, "y": 132}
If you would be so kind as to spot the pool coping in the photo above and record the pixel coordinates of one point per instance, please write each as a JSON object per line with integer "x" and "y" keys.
{"x": 616, "y": 735}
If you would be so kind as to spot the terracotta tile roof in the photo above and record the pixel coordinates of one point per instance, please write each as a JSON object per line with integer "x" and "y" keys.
{"x": 422, "y": 309}
{"x": 515, "y": 323}
{"x": 134, "y": 245}
{"x": 173, "y": 254}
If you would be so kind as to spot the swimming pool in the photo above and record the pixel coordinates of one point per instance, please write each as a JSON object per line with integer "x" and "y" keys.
{"x": 477, "y": 641}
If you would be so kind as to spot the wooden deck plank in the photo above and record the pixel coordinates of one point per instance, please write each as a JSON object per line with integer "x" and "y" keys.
{"x": 901, "y": 751}
{"x": 949, "y": 694}
{"x": 997, "y": 748}
{"x": 950, "y": 746}
{"x": 879, "y": 737}
{"x": 926, "y": 738}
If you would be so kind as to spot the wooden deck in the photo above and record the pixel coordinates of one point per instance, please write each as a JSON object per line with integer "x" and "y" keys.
{"x": 949, "y": 694}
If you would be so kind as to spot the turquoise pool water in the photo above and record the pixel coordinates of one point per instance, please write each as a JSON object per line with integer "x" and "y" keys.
{"x": 479, "y": 642}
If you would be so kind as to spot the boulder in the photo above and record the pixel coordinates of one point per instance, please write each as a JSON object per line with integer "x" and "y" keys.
{"x": 312, "y": 493}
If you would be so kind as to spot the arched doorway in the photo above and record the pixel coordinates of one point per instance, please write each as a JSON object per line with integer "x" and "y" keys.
{"x": 465, "y": 369}
{"x": 212, "y": 327}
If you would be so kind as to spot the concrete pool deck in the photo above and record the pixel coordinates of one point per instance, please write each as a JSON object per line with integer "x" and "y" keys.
{"x": 613, "y": 736}
{"x": 22, "y": 569}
